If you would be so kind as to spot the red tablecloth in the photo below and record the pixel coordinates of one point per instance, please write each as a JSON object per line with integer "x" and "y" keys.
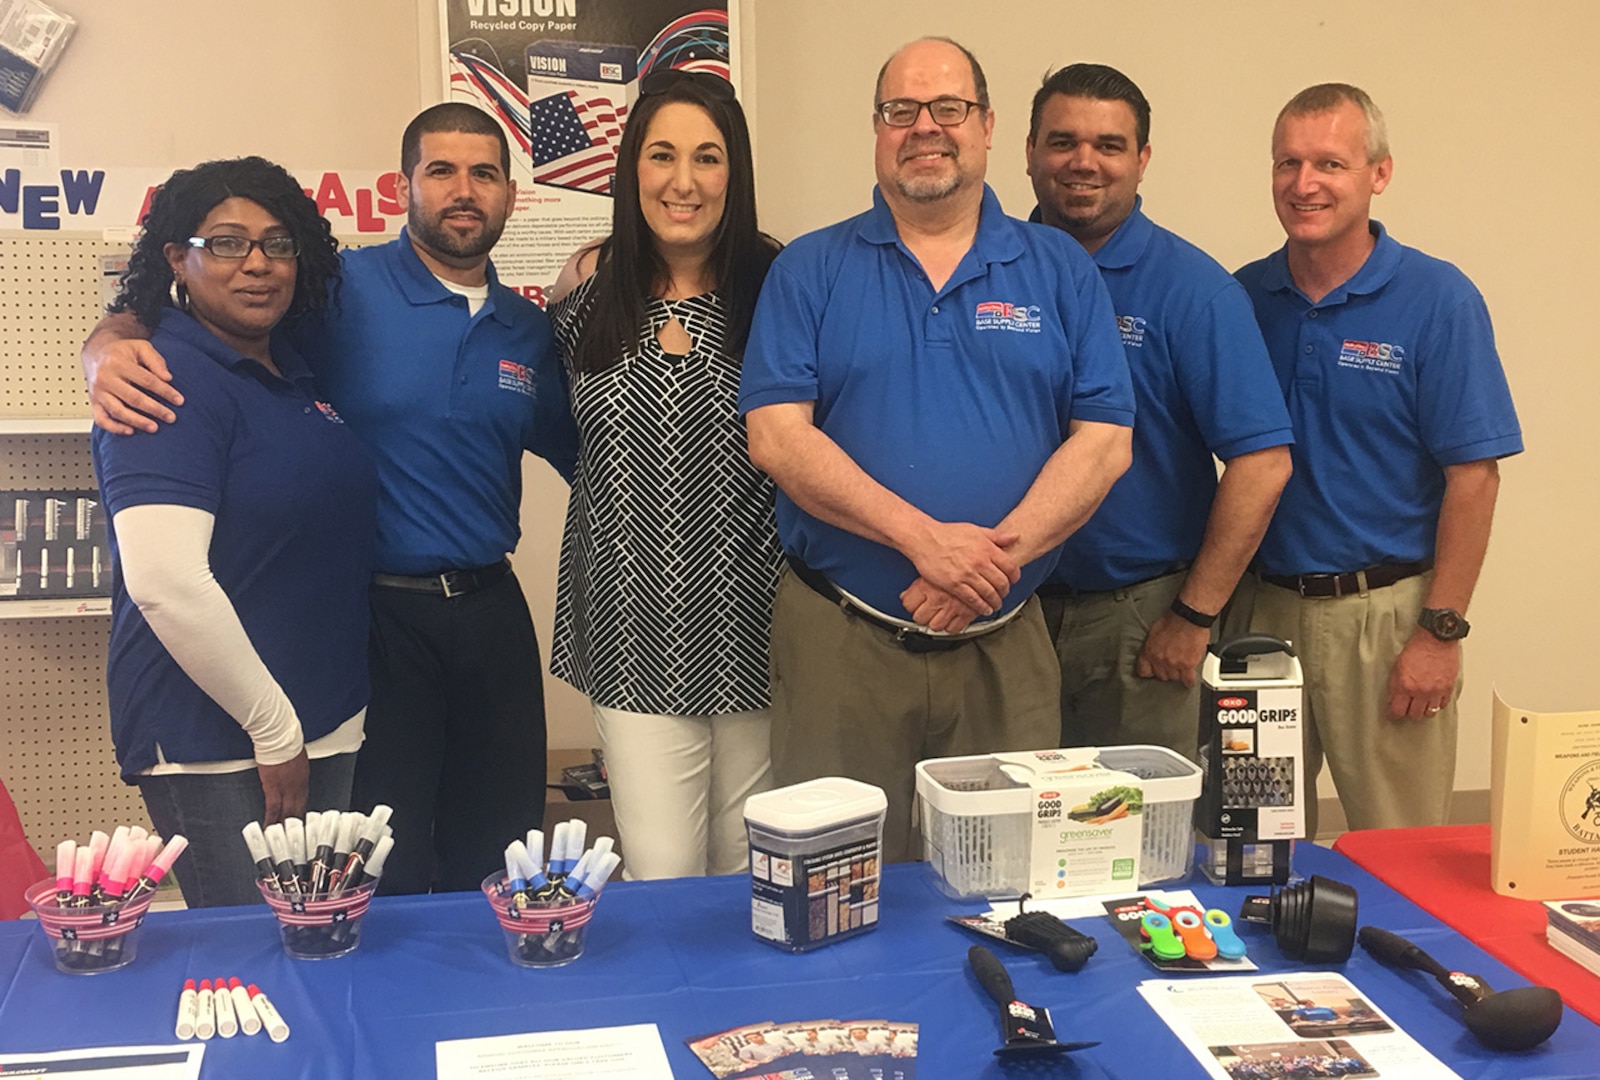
{"x": 1445, "y": 871}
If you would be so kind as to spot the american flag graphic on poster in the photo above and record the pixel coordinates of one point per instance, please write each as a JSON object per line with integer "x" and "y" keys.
{"x": 573, "y": 140}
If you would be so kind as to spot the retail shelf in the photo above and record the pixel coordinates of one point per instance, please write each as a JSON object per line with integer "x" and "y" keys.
{"x": 64, "y": 608}
{"x": 46, "y": 425}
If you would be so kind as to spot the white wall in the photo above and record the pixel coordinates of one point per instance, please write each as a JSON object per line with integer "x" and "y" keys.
{"x": 1493, "y": 118}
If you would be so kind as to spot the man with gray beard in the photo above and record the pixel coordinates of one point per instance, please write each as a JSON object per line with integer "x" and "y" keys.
{"x": 939, "y": 392}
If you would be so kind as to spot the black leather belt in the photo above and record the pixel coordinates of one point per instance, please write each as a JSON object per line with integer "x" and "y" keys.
{"x": 909, "y": 639}
{"x": 1318, "y": 585}
{"x": 449, "y": 584}
{"x": 1062, "y": 589}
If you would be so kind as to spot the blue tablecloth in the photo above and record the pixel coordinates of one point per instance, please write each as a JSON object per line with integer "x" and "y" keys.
{"x": 679, "y": 954}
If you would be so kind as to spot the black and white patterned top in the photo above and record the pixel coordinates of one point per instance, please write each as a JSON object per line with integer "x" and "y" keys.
{"x": 670, "y": 555}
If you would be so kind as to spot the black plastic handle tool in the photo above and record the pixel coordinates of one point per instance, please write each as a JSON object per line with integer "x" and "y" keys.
{"x": 1027, "y": 1028}
{"x": 1517, "y": 1019}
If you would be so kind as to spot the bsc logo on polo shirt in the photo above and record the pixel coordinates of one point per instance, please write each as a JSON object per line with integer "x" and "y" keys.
{"x": 1371, "y": 356}
{"x": 515, "y": 376}
{"x": 327, "y": 410}
{"x": 1132, "y": 327}
{"x": 996, "y": 315}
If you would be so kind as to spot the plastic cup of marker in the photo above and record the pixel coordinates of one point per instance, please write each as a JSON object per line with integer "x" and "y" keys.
{"x": 319, "y": 929}
{"x": 539, "y": 933}
{"x": 88, "y": 940}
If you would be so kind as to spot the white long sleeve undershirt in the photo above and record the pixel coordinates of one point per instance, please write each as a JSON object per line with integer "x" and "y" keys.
{"x": 166, "y": 569}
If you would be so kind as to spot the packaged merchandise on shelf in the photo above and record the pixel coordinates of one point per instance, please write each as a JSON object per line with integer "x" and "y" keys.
{"x": 33, "y": 35}
{"x": 52, "y": 545}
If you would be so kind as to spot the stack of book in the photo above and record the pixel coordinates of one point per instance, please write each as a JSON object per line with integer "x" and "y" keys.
{"x": 1573, "y": 927}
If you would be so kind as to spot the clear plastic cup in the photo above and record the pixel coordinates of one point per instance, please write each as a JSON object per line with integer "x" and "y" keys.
{"x": 319, "y": 929}
{"x": 88, "y": 940}
{"x": 539, "y": 933}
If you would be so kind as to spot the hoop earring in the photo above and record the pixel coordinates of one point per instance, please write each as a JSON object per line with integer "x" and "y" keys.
{"x": 179, "y": 295}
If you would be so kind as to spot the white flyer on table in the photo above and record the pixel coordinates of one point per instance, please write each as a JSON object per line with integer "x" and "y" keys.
{"x": 1306, "y": 1023}
{"x": 118, "y": 1062}
{"x": 614, "y": 1053}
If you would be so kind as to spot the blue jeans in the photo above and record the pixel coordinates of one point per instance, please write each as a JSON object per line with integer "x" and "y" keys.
{"x": 216, "y": 870}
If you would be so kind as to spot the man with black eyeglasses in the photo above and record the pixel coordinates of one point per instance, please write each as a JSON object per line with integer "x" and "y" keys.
{"x": 939, "y": 393}
{"x": 448, "y": 377}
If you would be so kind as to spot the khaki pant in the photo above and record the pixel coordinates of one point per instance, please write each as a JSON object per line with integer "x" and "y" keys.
{"x": 1389, "y": 773}
{"x": 849, "y": 701}
{"x": 1104, "y": 702}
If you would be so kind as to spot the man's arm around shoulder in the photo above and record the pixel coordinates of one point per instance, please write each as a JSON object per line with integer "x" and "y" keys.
{"x": 129, "y": 384}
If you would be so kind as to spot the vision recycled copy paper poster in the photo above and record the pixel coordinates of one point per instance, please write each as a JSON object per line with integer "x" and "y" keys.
{"x": 560, "y": 76}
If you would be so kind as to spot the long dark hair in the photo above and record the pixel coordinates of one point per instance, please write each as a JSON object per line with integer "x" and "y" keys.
{"x": 182, "y": 203}
{"x": 630, "y": 269}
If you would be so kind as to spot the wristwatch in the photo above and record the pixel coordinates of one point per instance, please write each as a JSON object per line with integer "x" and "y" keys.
{"x": 1446, "y": 624}
{"x": 1191, "y": 616}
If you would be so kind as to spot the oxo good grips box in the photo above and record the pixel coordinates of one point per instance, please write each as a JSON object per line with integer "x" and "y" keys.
{"x": 1250, "y": 742}
{"x": 1087, "y": 830}
{"x": 980, "y": 816}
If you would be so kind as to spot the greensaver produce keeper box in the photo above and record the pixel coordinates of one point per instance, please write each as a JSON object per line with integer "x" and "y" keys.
{"x": 977, "y": 832}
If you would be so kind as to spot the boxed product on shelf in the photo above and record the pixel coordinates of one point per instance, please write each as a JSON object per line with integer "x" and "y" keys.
{"x": 977, "y": 829}
{"x": 33, "y": 35}
{"x": 53, "y": 545}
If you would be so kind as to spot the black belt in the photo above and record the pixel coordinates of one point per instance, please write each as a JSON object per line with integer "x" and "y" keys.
{"x": 1378, "y": 577}
{"x": 908, "y": 638}
{"x": 1062, "y": 589}
{"x": 450, "y": 583}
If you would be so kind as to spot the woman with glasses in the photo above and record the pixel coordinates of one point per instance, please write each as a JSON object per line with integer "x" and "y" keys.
{"x": 241, "y": 537}
{"x": 670, "y": 555}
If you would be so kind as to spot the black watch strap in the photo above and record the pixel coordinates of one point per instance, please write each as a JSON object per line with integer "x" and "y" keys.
{"x": 1191, "y": 616}
{"x": 1446, "y": 624}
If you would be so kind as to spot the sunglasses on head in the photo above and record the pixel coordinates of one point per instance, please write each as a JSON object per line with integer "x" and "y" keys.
{"x": 664, "y": 79}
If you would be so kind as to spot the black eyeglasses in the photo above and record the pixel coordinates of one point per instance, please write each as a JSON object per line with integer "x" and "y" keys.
{"x": 946, "y": 111}
{"x": 226, "y": 246}
{"x": 663, "y": 79}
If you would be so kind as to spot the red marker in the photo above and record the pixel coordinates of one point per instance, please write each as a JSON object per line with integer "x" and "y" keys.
{"x": 227, "y": 1023}
{"x": 205, "y": 1022}
{"x": 277, "y": 1030}
{"x": 248, "y": 1020}
{"x": 188, "y": 1004}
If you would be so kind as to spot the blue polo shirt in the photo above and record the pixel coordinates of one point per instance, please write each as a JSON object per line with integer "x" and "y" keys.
{"x": 953, "y": 399}
{"x": 1389, "y": 378}
{"x": 292, "y": 492}
{"x": 1204, "y": 387}
{"x": 446, "y": 402}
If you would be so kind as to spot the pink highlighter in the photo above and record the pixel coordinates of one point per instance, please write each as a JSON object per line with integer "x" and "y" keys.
{"x": 152, "y": 877}
{"x": 66, "y": 857}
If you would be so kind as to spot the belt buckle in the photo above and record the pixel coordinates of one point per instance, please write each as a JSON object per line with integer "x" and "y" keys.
{"x": 447, "y": 583}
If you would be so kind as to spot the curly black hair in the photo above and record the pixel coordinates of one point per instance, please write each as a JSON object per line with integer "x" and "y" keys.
{"x": 179, "y": 206}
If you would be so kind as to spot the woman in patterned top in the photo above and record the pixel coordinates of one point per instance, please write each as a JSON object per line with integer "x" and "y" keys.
{"x": 670, "y": 555}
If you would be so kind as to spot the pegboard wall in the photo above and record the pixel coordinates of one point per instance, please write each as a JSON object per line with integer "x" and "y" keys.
{"x": 55, "y": 741}
{"x": 55, "y": 744}
{"x": 50, "y": 298}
